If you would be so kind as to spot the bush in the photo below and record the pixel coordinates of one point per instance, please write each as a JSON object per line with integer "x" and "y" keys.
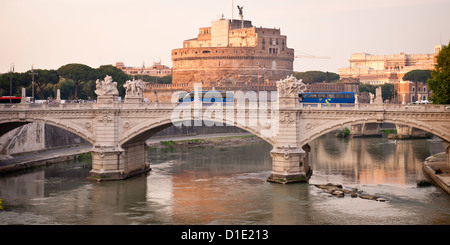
{"x": 344, "y": 133}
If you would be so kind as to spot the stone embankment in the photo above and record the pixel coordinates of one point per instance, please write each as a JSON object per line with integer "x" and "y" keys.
{"x": 437, "y": 170}
{"x": 43, "y": 158}
{"x": 339, "y": 191}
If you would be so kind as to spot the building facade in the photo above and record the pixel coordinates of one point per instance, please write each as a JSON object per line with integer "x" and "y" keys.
{"x": 380, "y": 69}
{"x": 157, "y": 70}
{"x": 233, "y": 51}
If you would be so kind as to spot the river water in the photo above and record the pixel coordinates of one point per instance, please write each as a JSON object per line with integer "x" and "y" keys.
{"x": 227, "y": 185}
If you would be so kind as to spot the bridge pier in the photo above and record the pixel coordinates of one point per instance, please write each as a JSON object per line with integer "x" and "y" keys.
{"x": 290, "y": 165}
{"x": 107, "y": 163}
{"x": 365, "y": 129}
{"x": 111, "y": 160}
{"x": 116, "y": 163}
{"x": 290, "y": 161}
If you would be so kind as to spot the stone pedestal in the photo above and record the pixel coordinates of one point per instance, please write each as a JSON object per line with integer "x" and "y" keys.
{"x": 290, "y": 165}
{"x": 107, "y": 99}
{"x": 403, "y": 131}
{"x": 133, "y": 99}
{"x": 107, "y": 163}
{"x": 365, "y": 129}
{"x": 116, "y": 163}
{"x": 58, "y": 95}
{"x": 356, "y": 130}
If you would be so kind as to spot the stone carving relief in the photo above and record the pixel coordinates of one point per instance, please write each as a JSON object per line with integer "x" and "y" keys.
{"x": 134, "y": 88}
{"x": 290, "y": 86}
{"x": 106, "y": 87}
{"x": 287, "y": 117}
{"x": 105, "y": 117}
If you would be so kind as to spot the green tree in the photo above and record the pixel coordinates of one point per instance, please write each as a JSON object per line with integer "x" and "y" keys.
{"x": 17, "y": 79}
{"x": 316, "y": 76}
{"x": 440, "y": 81}
{"x": 41, "y": 79}
{"x": 66, "y": 87}
{"x": 388, "y": 91}
{"x": 367, "y": 88}
{"x": 88, "y": 89}
{"x": 77, "y": 73}
{"x": 165, "y": 80}
{"x": 417, "y": 76}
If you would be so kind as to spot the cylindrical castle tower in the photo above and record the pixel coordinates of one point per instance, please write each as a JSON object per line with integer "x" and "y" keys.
{"x": 233, "y": 51}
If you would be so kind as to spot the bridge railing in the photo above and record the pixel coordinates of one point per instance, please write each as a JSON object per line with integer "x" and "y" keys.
{"x": 247, "y": 104}
{"x": 362, "y": 106}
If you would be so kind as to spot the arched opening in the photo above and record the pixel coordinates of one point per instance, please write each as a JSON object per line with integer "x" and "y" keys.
{"x": 376, "y": 161}
{"x": 168, "y": 128}
{"x": 136, "y": 147}
{"x": 23, "y": 137}
{"x": 438, "y": 133}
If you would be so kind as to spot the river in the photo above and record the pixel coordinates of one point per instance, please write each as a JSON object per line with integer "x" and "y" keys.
{"x": 227, "y": 185}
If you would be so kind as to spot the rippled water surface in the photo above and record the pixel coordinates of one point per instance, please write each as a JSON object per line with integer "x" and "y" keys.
{"x": 227, "y": 185}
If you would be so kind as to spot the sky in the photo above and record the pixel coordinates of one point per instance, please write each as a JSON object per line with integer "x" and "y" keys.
{"x": 48, "y": 34}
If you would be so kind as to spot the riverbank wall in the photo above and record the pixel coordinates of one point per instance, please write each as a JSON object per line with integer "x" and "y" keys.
{"x": 42, "y": 158}
{"x": 437, "y": 170}
{"x": 36, "y": 137}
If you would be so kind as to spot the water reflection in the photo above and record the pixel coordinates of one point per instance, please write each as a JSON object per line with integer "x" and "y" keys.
{"x": 373, "y": 160}
{"x": 227, "y": 185}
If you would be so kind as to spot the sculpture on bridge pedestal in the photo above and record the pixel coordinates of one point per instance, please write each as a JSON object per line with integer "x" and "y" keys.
{"x": 134, "y": 91}
{"x": 106, "y": 90}
{"x": 290, "y": 86}
{"x": 288, "y": 90}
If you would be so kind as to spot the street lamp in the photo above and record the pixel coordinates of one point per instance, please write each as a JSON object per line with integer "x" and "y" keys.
{"x": 10, "y": 82}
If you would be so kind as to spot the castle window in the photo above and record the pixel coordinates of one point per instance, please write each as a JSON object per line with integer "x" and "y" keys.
{"x": 206, "y": 51}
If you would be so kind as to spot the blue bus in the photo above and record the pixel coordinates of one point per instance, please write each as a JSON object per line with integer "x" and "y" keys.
{"x": 327, "y": 97}
{"x": 208, "y": 96}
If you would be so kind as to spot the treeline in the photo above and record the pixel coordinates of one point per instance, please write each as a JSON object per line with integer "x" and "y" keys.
{"x": 309, "y": 77}
{"x": 75, "y": 81}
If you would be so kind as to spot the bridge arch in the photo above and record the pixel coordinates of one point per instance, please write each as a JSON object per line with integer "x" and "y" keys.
{"x": 338, "y": 124}
{"x": 8, "y": 125}
{"x": 145, "y": 130}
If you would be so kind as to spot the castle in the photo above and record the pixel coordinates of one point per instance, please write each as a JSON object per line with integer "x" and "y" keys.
{"x": 233, "y": 52}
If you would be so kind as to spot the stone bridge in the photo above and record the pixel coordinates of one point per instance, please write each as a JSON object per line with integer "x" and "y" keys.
{"x": 118, "y": 131}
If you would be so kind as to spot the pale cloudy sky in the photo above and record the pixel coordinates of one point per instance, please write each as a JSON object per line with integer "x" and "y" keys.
{"x": 50, "y": 33}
